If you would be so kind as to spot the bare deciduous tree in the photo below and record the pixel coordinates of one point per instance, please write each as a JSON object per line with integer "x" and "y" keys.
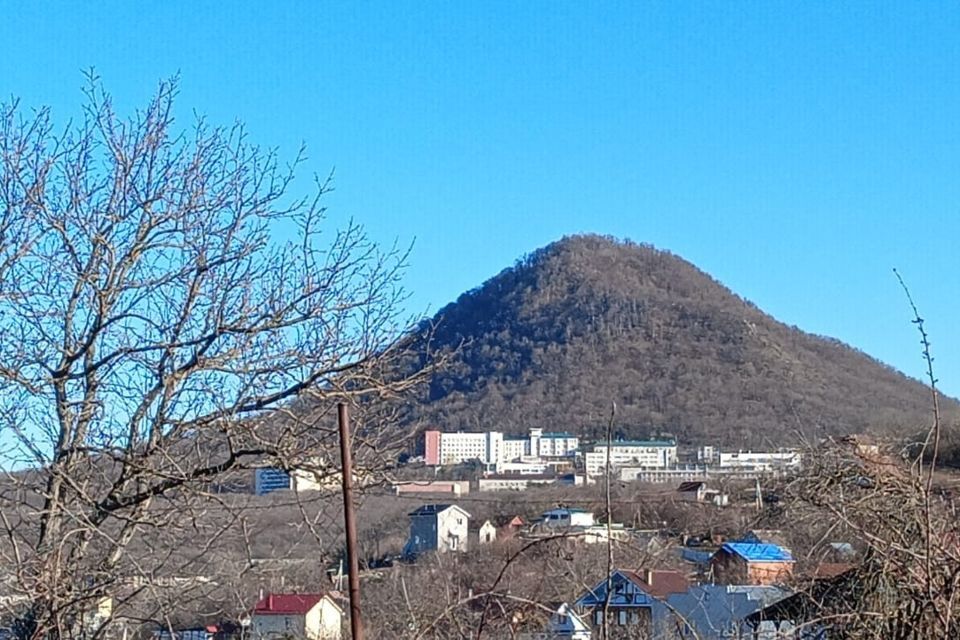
{"x": 166, "y": 309}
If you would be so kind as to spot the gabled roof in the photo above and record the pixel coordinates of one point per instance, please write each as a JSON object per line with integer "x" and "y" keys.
{"x": 690, "y": 486}
{"x": 289, "y": 603}
{"x": 508, "y": 521}
{"x": 659, "y": 583}
{"x": 434, "y": 509}
{"x": 752, "y": 552}
{"x": 662, "y": 583}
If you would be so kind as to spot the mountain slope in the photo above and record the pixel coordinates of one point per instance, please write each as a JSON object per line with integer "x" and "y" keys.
{"x": 589, "y": 321}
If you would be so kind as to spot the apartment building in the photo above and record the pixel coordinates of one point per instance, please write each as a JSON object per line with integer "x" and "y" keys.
{"x": 652, "y": 454}
{"x": 494, "y": 448}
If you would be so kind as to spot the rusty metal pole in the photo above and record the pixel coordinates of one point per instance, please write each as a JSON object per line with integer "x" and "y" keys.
{"x": 346, "y": 459}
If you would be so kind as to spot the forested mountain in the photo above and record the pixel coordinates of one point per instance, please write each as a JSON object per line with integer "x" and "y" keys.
{"x": 588, "y": 321}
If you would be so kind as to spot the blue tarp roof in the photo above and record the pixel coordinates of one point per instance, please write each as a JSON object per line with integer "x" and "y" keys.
{"x": 758, "y": 552}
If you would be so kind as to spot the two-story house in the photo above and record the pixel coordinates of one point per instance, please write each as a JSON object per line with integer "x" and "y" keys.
{"x": 635, "y": 604}
{"x": 311, "y": 616}
{"x": 437, "y": 527}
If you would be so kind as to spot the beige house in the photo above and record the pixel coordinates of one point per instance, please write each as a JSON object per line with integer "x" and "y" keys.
{"x": 312, "y": 616}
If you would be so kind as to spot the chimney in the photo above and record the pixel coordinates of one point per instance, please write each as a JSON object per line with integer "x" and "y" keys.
{"x": 648, "y": 576}
{"x": 270, "y": 602}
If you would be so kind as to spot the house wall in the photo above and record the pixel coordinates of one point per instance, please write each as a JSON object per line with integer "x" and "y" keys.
{"x": 488, "y": 533}
{"x": 276, "y": 626}
{"x": 323, "y": 621}
{"x": 729, "y": 568}
{"x": 423, "y": 534}
{"x": 451, "y": 524}
{"x": 768, "y": 573}
{"x": 692, "y": 496}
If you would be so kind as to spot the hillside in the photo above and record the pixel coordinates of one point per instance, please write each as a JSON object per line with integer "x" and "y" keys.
{"x": 588, "y": 321}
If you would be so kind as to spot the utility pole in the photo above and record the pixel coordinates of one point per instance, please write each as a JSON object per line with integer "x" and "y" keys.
{"x": 353, "y": 579}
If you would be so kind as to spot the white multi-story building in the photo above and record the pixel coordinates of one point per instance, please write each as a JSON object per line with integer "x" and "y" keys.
{"x": 553, "y": 444}
{"x": 656, "y": 454}
{"x": 459, "y": 447}
{"x": 515, "y": 447}
{"x": 493, "y": 448}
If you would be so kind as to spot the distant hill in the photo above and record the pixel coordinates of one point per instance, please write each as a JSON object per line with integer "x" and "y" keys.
{"x": 588, "y": 321}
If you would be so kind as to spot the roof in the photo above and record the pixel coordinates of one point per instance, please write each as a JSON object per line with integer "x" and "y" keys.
{"x": 690, "y": 486}
{"x": 565, "y": 510}
{"x": 637, "y": 443}
{"x": 752, "y": 552}
{"x": 434, "y": 509}
{"x": 663, "y": 584}
{"x": 715, "y": 611}
{"x": 659, "y": 583}
{"x": 289, "y": 603}
{"x": 840, "y": 593}
{"x": 508, "y": 520}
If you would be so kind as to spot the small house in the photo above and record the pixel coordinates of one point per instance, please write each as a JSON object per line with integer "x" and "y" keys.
{"x": 692, "y": 491}
{"x": 437, "y": 527}
{"x": 636, "y": 600}
{"x": 487, "y": 533}
{"x": 751, "y": 563}
{"x": 508, "y": 526}
{"x": 312, "y": 616}
{"x": 699, "y": 492}
{"x": 564, "y": 518}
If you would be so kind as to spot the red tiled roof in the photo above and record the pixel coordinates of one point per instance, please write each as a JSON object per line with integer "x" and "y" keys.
{"x": 287, "y": 603}
{"x": 661, "y": 582}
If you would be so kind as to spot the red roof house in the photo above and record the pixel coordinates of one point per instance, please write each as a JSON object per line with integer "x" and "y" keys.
{"x": 314, "y": 616}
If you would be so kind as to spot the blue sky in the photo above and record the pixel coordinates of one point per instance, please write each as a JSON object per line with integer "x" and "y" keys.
{"x": 795, "y": 151}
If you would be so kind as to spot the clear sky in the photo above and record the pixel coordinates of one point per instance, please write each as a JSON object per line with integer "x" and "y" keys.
{"x": 795, "y": 151}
